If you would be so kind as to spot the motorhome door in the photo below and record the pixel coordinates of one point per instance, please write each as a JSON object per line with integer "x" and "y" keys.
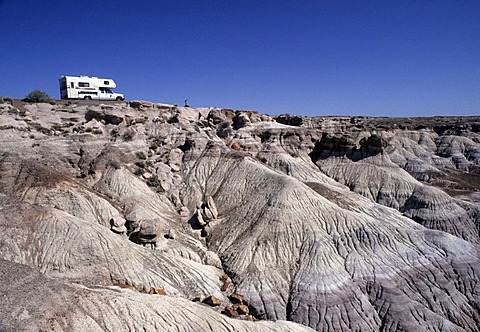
{"x": 106, "y": 94}
{"x": 71, "y": 91}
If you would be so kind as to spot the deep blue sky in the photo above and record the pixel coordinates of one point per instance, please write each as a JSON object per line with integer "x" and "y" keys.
{"x": 380, "y": 58}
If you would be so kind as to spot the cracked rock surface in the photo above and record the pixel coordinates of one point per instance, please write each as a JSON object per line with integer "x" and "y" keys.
{"x": 115, "y": 216}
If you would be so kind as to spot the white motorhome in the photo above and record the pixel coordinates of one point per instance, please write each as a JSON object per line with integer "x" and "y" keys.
{"x": 88, "y": 88}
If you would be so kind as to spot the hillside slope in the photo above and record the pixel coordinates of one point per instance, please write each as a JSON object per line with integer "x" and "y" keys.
{"x": 334, "y": 223}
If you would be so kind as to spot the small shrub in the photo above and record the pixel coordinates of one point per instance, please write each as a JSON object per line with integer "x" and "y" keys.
{"x": 57, "y": 126}
{"x": 37, "y": 96}
{"x": 154, "y": 146}
{"x": 141, "y": 165}
{"x": 139, "y": 171}
{"x": 262, "y": 159}
{"x": 154, "y": 182}
{"x": 141, "y": 155}
{"x": 13, "y": 110}
{"x": 114, "y": 132}
{"x": 6, "y": 100}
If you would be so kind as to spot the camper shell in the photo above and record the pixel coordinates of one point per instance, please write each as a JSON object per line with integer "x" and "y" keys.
{"x": 88, "y": 88}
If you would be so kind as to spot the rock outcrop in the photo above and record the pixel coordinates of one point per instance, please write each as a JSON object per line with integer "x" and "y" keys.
{"x": 51, "y": 305}
{"x": 331, "y": 223}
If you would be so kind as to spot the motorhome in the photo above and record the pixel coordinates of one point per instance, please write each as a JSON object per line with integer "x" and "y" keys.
{"x": 88, "y": 88}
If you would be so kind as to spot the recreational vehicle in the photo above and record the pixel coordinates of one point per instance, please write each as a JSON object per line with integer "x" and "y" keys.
{"x": 85, "y": 87}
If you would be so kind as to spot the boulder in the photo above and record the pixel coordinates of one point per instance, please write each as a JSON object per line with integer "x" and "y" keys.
{"x": 242, "y": 309}
{"x": 236, "y": 146}
{"x": 230, "y": 312}
{"x": 241, "y": 120}
{"x": 212, "y": 301}
{"x": 147, "y": 175}
{"x": 198, "y": 298}
{"x": 117, "y": 225}
{"x": 149, "y": 231}
{"x": 108, "y": 117}
{"x": 236, "y": 298}
{"x": 158, "y": 291}
{"x": 226, "y": 285}
{"x": 141, "y": 105}
{"x": 224, "y": 129}
{"x": 224, "y": 277}
{"x": 211, "y": 258}
{"x": 135, "y": 218}
{"x": 217, "y": 116}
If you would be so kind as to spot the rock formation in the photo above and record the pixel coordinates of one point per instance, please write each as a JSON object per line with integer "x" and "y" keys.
{"x": 330, "y": 223}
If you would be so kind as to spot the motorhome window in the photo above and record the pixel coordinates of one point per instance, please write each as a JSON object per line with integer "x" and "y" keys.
{"x": 83, "y": 84}
{"x": 71, "y": 85}
{"x": 106, "y": 82}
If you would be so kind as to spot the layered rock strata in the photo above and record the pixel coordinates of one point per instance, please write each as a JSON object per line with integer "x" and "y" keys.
{"x": 333, "y": 223}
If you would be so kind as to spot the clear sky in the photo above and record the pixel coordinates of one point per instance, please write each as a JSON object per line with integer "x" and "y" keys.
{"x": 379, "y": 58}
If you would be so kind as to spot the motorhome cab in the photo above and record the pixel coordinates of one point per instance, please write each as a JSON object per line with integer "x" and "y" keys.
{"x": 88, "y": 88}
